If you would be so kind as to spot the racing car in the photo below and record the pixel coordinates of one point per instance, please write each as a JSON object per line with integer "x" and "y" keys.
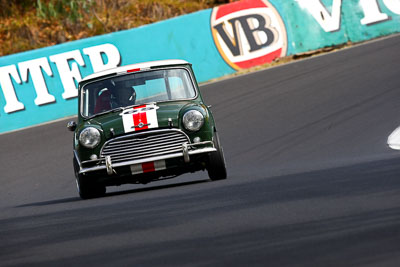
{"x": 141, "y": 123}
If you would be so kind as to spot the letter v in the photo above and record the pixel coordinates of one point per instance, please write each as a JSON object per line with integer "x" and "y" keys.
{"x": 232, "y": 43}
{"x": 328, "y": 22}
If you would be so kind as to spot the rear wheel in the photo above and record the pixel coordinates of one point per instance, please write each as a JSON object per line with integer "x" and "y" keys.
{"x": 216, "y": 163}
{"x": 87, "y": 186}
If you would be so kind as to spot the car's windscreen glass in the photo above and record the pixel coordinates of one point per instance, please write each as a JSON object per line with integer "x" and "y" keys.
{"x": 135, "y": 89}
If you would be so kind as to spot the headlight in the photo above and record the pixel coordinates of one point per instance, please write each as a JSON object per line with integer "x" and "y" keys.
{"x": 193, "y": 120}
{"x": 89, "y": 137}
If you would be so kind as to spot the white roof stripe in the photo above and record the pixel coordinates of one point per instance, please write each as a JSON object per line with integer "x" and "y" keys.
{"x": 136, "y": 66}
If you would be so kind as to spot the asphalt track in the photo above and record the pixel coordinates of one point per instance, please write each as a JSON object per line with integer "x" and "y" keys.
{"x": 311, "y": 180}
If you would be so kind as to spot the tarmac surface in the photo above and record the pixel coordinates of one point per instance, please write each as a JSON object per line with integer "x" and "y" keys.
{"x": 311, "y": 181}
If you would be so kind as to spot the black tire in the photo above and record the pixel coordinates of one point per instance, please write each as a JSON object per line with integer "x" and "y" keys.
{"x": 87, "y": 186}
{"x": 216, "y": 167}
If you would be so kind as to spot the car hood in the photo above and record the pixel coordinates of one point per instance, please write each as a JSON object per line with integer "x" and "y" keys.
{"x": 139, "y": 118}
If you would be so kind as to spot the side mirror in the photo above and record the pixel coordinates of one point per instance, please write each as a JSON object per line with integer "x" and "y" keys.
{"x": 71, "y": 126}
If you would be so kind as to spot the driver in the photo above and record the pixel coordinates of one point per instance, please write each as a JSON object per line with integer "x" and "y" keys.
{"x": 122, "y": 97}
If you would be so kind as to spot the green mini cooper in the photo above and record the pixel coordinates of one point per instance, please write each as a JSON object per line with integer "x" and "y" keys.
{"x": 140, "y": 123}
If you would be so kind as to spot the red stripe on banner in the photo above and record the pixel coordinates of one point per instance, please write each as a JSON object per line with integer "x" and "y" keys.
{"x": 260, "y": 60}
{"x": 148, "y": 167}
{"x": 238, "y": 6}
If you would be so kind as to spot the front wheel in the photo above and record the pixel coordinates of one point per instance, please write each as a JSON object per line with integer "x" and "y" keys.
{"x": 216, "y": 162}
{"x": 87, "y": 186}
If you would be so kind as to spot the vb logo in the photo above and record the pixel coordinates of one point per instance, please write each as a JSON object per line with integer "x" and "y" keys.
{"x": 248, "y": 33}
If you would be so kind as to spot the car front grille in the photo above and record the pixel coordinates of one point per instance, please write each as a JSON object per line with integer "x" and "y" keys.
{"x": 144, "y": 145}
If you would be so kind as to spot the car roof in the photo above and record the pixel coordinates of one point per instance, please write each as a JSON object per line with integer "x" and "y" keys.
{"x": 138, "y": 66}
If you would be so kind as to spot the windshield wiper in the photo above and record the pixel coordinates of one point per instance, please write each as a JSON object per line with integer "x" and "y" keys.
{"x": 107, "y": 111}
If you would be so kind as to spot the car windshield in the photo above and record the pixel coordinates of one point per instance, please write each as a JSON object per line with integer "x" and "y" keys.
{"x": 135, "y": 89}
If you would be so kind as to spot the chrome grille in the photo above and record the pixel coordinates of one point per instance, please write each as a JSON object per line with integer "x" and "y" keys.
{"x": 143, "y": 145}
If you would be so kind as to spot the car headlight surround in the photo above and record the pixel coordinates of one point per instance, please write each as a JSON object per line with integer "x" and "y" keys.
{"x": 193, "y": 120}
{"x": 90, "y": 137}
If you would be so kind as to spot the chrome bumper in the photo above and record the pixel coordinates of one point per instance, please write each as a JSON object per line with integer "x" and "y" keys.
{"x": 186, "y": 153}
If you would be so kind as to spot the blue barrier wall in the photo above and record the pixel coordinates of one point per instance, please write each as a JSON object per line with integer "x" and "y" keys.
{"x": 40, "y": 85}
{"x": 170, "y": 39}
